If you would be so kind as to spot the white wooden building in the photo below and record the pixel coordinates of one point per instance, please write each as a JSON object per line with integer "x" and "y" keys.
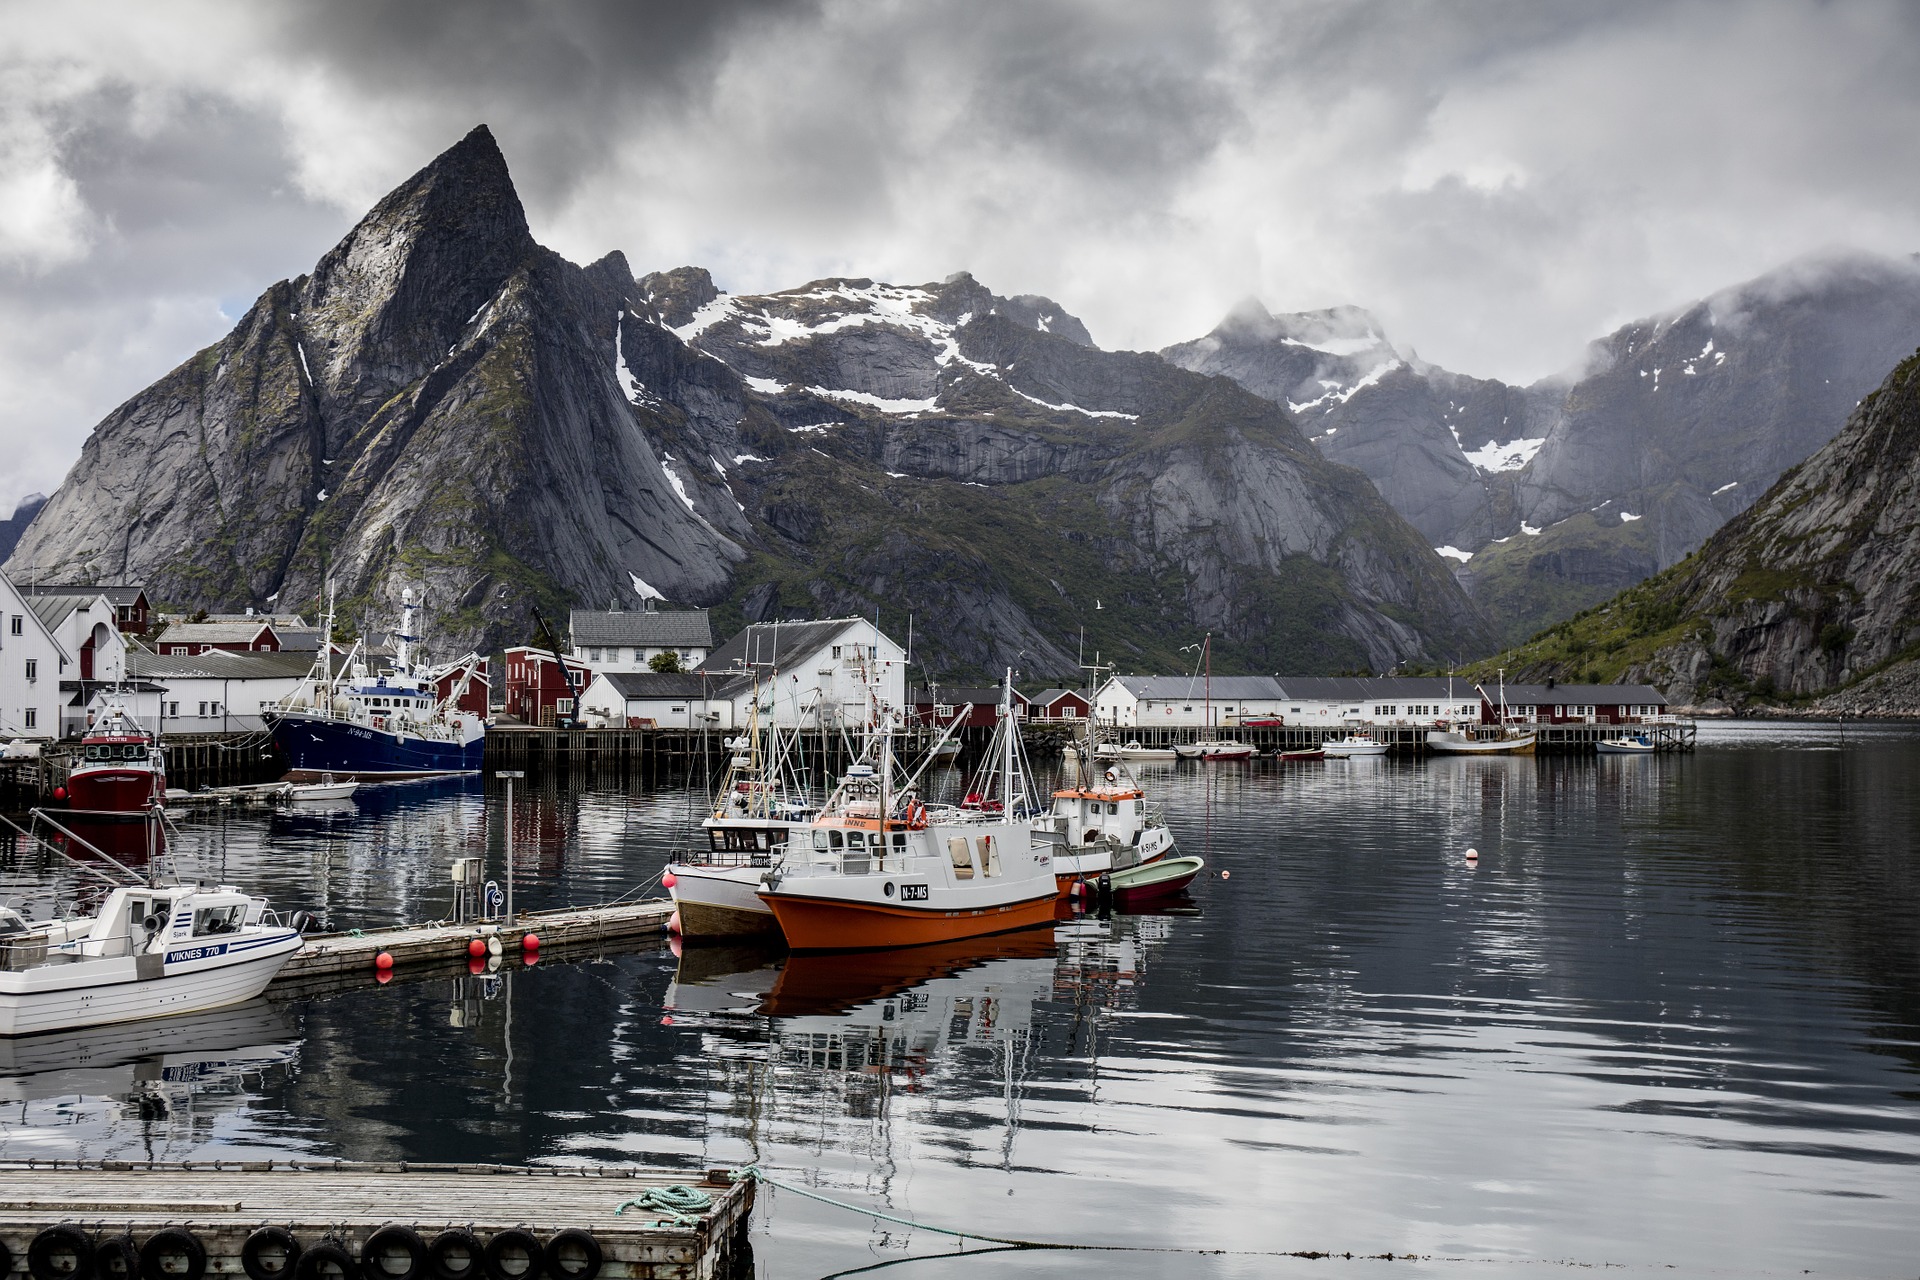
{"x": 1183, "y": 702}
{"x": 1400, "y": 701}
{"x": 659, "y": 700}
{"x": 32, "y": 664}
{"x": 815, "y": 674}
{"x": 217, "y": 691}
{"x": 87, "y": 626}
{"x": 629, "y": 640}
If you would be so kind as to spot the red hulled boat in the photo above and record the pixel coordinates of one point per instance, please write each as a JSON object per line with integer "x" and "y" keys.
{"x": 121, "y": 769}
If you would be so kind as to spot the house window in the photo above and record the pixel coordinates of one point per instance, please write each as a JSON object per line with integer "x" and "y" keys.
{"x": 203, "y": 711}
{"x": 836, "y": 648}
{"x": 942, "y": 709}
{"x": 216, "y": 708}
{"x": 33, "y": 668}
{"x": 173, "y": 709}
{"x": 18, "y": 624}
{"x": 33, "y": 717}
{"x": 563, "y": 706}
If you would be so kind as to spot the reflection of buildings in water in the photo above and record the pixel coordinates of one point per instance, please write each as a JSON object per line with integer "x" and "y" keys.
{"x": 1101, "y": 961}
{"x": 150, "y": 1090}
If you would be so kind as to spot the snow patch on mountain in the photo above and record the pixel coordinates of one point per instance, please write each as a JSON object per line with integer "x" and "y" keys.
{"x": 1339, "y": 394}
{"x": 1074, "y": 408}
{"x": 1497, "y": 456}
{"x": 705, "y": 318}
{"x": 1455, "y": 553}
{"x": 875, "y": 402}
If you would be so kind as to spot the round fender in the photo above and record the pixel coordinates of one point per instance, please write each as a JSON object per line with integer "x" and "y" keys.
{"x": 271, "y": 1253}
{"x": 116, "y": 1258}
{"x": 326, "y": 1261}
{"x": 573, "y": 1254}
{"x": 514, "y": 1255}
{"x": 173, "y": 1253}
{"x": 60, "y": 1253}
{"x": 394, "y": 1253}
{"x": 456, "y": 1255}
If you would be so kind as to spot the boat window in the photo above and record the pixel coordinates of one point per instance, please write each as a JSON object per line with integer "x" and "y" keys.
{"x": 899, "y": 839}
{"x": 839, "y": 841}
{"x": 856, "y": 839}
{"x": 217, "y": 920}
{"x": 819, "y": 839}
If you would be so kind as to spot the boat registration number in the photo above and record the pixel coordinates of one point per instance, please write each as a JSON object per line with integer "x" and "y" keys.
{"x": 913, "y": 893}
{"x": 196, "y": 953}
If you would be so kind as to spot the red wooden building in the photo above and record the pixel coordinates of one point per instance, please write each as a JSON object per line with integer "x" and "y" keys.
{"x": 477, "y": 697}
{"x": 543, "y": 688}
{"x": 940, "y": 706}
{"x": 188, "y": 639}
{"x": 1059, "y": 704}
{"x": 1555, "y": 703}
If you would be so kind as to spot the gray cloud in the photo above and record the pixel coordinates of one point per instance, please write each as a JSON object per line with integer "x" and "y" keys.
{"x": 1498, "y": 181}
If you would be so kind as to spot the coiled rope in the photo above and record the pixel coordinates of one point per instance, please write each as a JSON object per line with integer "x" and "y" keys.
{"x": 681, "y": 1204}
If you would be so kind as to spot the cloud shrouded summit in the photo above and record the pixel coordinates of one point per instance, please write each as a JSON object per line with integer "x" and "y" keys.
{"x": 1496, "y": 183}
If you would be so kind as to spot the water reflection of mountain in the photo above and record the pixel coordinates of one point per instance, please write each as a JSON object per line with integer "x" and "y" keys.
{"x": 158, "y": 1089}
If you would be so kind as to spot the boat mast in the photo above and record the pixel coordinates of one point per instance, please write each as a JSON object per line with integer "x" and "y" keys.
{"x": 1206, "y": 656}
{"x": 1006, "y": 725}
{"x": 403, "y": 653}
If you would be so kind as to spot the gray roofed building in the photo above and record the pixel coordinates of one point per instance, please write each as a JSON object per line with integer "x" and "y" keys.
{"x": 775, "y": 643}
{"x": 216, "y": 664}
{"x": 117, "y": 596}
{"x": 239, "y": 636}
{"x": 53, "y": 609}
{"x": 640, "y": 629}
{"x": 656, "y": 685}
{"x": 1360, "y": 688}
{"x": 1225, "y": 688}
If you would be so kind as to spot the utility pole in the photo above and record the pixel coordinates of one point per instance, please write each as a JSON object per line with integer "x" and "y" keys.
{"x": 507, "y": 833}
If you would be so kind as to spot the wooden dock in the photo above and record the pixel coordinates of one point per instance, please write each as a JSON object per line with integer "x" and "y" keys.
{"x": 385, "y": 1221}
{"x": 1668, "y": 734}
{"x": 562, "y": 933}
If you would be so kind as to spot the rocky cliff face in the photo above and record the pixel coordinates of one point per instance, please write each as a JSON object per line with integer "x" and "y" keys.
{"x": 443, "y": 404}
{"x": 15, "y": 525}
{"x": 1562, "y": 493}
{"x": 1815, "y": 587}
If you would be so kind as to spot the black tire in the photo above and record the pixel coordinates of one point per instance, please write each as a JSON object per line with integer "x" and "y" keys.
{"x": 456, "y": 1255}
{"x": 390, "y": 1245}
{"x": 515, "y": 1255}
{"x": 116, "y": 1258}
{"x": 271, "y": 1253}
{"x": 573, "y": 1254}
{"x": 61, "y": 1253}
{"x": 173, "y": 1253}
{"x": 326, "y": 1261}
{"x": 6, "y": 1259}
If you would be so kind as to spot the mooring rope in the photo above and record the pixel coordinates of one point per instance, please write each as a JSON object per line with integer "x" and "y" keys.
{"x": 681, "y": 1204}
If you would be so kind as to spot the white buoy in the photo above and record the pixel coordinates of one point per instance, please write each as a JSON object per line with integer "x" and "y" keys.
{"x": 1473, "y": 855}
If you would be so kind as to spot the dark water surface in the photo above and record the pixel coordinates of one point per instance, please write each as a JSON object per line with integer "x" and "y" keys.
{"x": 1672, "y": 1019}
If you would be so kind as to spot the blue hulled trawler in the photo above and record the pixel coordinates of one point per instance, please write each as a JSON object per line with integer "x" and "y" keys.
{"x": 404, "y": 722}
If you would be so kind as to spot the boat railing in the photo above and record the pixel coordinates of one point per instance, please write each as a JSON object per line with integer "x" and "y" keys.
{"x": 710, "y": 857}
{"x": 39, "y": 949}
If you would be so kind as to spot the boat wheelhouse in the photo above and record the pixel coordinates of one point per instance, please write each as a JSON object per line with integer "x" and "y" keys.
{"x": 121, "y": 770}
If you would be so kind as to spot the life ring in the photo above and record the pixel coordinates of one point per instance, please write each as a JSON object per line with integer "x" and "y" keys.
{"x": 916, "y": 816}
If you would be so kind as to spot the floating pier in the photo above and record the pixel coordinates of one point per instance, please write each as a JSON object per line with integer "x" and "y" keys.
{"x": 336, "y": 1221}
{"x": 562, "y": 932}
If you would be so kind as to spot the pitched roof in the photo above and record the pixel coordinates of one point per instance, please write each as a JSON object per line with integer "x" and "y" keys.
{"x": 1600, "y": 695}
{"x": 1047, "y": 697}
{"x": 1363, "y": 688}
{"x": 214, "y": 632}
{"x": 277, "y": 619}
{"x": 645, "y": 628}
{"x": 781, "y": 643}
{"x": 1194, "y": 688}
{"x": 216, "y": 664}
{"x": 676, "y": 684}
{"x": 119, "y": 596}
{"x": 53, "y": 610}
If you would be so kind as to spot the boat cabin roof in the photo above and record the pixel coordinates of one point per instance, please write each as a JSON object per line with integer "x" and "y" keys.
{"x": 1099, "y": 793}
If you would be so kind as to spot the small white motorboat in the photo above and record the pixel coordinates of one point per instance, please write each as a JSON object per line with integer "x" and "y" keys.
{"x": 151, "y": 951}
{"x": 1133, "y": 751}
{"x": 1355, "y": 744}
{"x": 325, "y": 789}
{"x": 1216, "y": 749}
{"x": 1638, "y": 745}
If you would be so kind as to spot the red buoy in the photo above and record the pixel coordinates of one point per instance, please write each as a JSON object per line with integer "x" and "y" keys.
{"x": 530, "y": 943}
{"x": 383, "y": 961}
{"x": 383, "y": 977}
{"x": 59, "y": 793}
{"x": 673, "y": 924}
{"x": 476, "y": 965}
{"x": 669, "y": 879}
{"x": 477, "y": 948}
{"x": 1226, "y": 875}
{"x": 529, "y": 958}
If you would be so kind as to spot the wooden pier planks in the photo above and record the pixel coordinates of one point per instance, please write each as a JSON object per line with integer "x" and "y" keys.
{"x": 223, "y": 1202}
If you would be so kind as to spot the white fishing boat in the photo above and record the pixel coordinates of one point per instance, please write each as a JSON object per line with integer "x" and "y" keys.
{"x": 1352, "y": 746}
{"x": 1100, "y": 820}
{"x": 1216, "y": 749}
{"x": 151, "y": 951}
{"x": 881, "y": 868}
{"x": 1467, "y": 738}
{"x": 1638, "y": 745}
{"x": 325, "y": 789}
{"x": 1133, "y": 750}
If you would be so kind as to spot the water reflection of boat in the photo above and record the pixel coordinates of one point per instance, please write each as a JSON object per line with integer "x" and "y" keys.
{"x": 833, "y": 982}
{"x": 723, "y": 979}
{"x": 117, "y": 1060}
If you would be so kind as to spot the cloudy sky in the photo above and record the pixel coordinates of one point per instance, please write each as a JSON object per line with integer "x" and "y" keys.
{"x": 1498, "y": 181}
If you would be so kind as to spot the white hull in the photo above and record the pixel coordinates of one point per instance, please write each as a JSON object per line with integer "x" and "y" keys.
{"x": 92, "y": 993}
{"x": 1458, "y": 744}
{"x": 322, "y": 791}
{"x": 1215, "y": 750}
{"x": 1137, "y": 753}
{"x": 1624, "y": 747}
{"x": 1095, "y": 860}
{"x": 1353, "y": 750}
{"x": 719, "y": 901}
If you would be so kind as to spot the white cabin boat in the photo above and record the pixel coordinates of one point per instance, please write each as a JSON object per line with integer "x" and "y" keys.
{"x": 150, "y": 952}
{"x": 1104, "y": 824}
{"x": 1638, "y": 745}
{"x": 1133, "y": 751}
{"x": 1352, "y": 746}
{"x": 1216, "y": 749}
{"x": 1464, "y": 742}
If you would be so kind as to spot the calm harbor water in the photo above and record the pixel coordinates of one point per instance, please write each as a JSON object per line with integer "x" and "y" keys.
{"x": 1670, "y": 1020}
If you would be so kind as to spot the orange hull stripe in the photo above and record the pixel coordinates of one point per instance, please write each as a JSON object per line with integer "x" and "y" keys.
{"x": 812, "y": 924}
